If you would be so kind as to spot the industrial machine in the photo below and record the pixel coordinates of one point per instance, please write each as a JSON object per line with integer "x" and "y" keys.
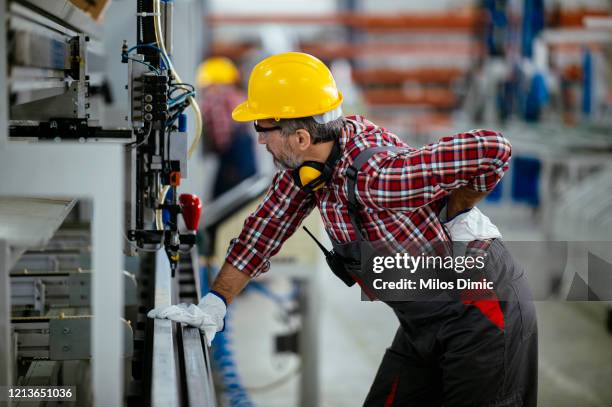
{"x": 59, "y": 91}
{"x": 158, "y": 156}
{"x": 52, "y": 98}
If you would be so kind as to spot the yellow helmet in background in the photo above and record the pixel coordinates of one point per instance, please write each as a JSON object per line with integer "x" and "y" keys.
{"x": 217, "y": 71}
{"x": 288, "y": 86}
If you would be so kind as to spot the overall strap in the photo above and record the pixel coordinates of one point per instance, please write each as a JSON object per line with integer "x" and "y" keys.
{"x": 351, "y": 174}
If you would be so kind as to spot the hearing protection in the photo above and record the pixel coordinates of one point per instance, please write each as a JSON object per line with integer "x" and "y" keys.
{"x": 313, "y": 175}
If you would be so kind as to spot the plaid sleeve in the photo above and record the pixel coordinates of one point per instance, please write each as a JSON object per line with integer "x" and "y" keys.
{"x": 411, "y": 179}
{"x": 284, "y": 207}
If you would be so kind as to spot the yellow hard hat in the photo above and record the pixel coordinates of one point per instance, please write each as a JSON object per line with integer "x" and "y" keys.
{"x": 287, "y": 86}
{"x": 217, "y": 71}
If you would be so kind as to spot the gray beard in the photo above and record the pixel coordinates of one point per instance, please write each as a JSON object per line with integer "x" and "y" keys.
{"x": 279, "y": 165}
{"x": 285, "y": 163}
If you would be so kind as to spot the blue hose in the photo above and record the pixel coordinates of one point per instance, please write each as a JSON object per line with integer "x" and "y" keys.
{"x": 222, "y": 353}
{"x": 225, "y": 364}
{"x": 223, "y": 357}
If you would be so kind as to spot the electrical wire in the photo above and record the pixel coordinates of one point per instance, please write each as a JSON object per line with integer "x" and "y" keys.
{"x": 180, "y": 107}
{"x": 144, "y": 140}
{"x": 159, "y": 38}
{"x": 184, "y": 84}
{"x": 150, "y": 45}
{"x": 180, "y": 98}
{"x": 151, "y": 67}
{"x": 159, "y": 222}
{"x": 177, "y": 88}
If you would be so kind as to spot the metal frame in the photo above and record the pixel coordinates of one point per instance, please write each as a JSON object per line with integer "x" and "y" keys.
{"x": 164, "y": 377}
{"x": 68, "y": 13}
{"x": 70, "y": 170}
{"x": 21, "y": 175}
{"x": 6, "y": 349}
{"x": 177, "y": 360}
{"x": 198, "y": 378}
{"x": 93, "y": 172}
{"x": 197, "y": 365}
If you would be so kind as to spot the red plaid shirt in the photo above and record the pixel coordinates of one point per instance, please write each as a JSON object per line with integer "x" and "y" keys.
{"x": 401, "y": 193}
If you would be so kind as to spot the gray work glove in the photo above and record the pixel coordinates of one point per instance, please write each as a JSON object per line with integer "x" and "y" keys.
{"x": 208, "y": 315}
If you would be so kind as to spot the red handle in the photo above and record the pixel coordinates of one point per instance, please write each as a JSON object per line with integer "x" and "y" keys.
{"x": 192, "y": 210}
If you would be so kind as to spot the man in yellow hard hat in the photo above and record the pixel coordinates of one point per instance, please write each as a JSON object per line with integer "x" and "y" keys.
{"x": 454, "y": 346}
{"x": 230, "y": 141}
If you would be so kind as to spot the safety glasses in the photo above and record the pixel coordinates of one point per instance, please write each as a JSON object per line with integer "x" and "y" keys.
{"x": 260, "y": 129}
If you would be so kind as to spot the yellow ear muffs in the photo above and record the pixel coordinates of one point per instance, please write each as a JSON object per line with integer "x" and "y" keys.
{"x": 312, "y": 175}
{"x": 308, "y": 174}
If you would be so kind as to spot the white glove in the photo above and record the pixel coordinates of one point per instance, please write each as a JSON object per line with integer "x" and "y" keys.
{"x": 472, "y": 225}
{"x": 208, "y": 315}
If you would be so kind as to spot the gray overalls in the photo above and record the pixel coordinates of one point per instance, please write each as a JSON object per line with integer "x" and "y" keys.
{"x": 448, "y": 353}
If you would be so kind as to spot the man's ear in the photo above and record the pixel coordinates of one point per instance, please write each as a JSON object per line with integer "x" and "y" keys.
{"x": 303, "y": 139}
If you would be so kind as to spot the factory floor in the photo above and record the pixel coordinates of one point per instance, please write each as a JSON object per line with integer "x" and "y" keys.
{"x": 575, "y": 348}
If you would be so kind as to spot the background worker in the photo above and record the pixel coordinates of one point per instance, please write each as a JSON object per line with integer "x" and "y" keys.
{"x": 230, "y": 141}
{"x": 370, "y": 186}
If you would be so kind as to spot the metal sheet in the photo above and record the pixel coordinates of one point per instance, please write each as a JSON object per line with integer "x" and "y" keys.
{"x": 21, "y": 175}
{"x": 32, "y": 338}
{"x": 31, "y": 222}
{"x": 164, "y": 376}
{"x": 66, "y": 260}
{"x": 6, "y": 363}
{"x": 4, "y": 101}
{"x": 28, "y": 292}
{"x": 36, "y": 50}
{"x": 200, "y": 391}
{"x": 69, "y": 15}
{"x": 178, "y": 150}
{"x": 79, "y": 289}
{"x": 70, "y": 338}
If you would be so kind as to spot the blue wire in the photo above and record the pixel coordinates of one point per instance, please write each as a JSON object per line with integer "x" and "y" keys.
{"x": 180, "y": 98}
{"x": 152, "y": 46}
{"x": 151, "y": 67}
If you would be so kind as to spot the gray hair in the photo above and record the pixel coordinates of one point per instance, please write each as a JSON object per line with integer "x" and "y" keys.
{"x": 320, "y": 133}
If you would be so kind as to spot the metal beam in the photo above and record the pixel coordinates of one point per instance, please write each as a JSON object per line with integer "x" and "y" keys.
{"x": 67, "y": 169}
{"x": 6, "y": 361}
{"x": 200, "y": 390}
{"x": 4, "y": 75}
{"x": 164, "y": 377}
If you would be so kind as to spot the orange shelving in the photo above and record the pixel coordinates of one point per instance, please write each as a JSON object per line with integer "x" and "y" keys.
{"x": 382, "y": 76}
{"x": 347, "y": 50}
{"x": 435, "y": 98}
{"x": 461, "y": 20}
{"x": 401, "y": 45}
{"x": 232, "y": 50}
{"x": 573, "y": 18}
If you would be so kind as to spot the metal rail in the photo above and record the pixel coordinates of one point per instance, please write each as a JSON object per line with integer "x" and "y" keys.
{"x": 181, "y": 372}
{"x": 164, "y": 375}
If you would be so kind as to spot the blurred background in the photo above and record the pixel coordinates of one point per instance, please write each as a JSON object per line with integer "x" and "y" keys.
{"x": 539, "y": 71}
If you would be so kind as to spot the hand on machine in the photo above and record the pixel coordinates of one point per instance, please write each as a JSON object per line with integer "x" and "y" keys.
{"x": 208, "y": 315}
